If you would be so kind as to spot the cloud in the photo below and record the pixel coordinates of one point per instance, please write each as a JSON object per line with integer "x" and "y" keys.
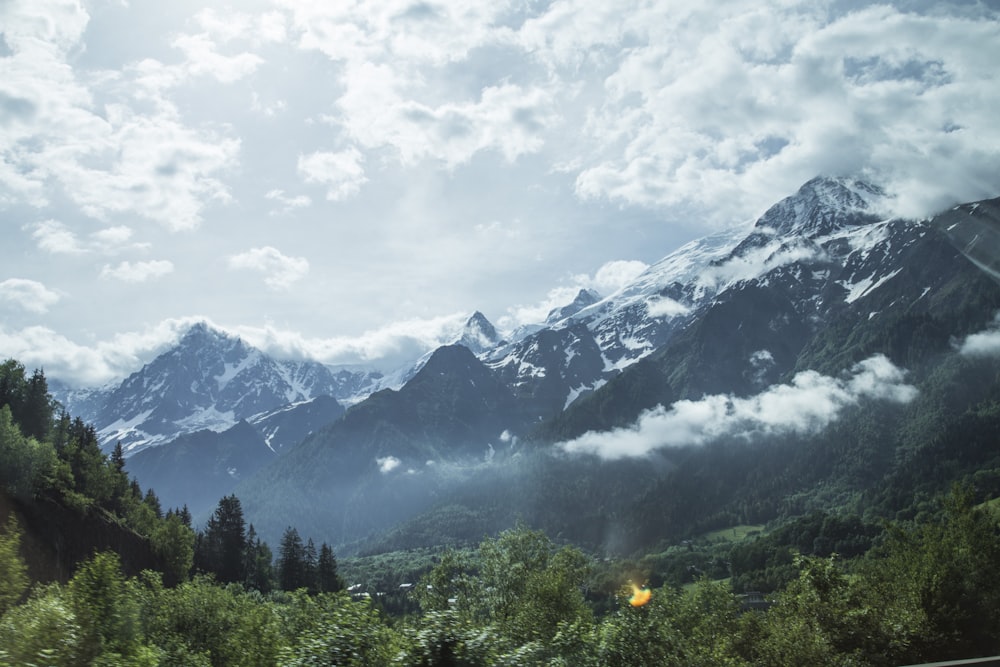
{"x": 138, "y": 272}
{"x": 697, "y": 109}
{"x": 57, "y": 238}
{"x": 83, "y": 365}
{"x": 386, "y": 348}
{"x": 30, "y": 295}
{"x": 983, "y": 343}
{"x": 387, "y": 464}
{"x": 807, "y": 405}
{"x": 108, "y": 158}
{"x": 665, "y": 307}
{"x": 341, "y": 172}
{"x": 280, "y": 271}
{"x": 377, "y": 111}
{"x": 288, "y": 204}
{"x": 608, "y": 279}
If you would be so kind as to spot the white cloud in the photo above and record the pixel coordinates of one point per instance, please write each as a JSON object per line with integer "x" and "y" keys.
{"x": 107, "y": 158}
{"x": 665, "y": 307}
{"x": 288, "y": 204}
{"x": 608, "y": 279}
{"x": 280, "y": 271}
{"x": 739, "y": 102}
{"x": 807, "y": 405}
{"x": 138, "y": 272}
{"x": 342, "y": 172}
{"x": 57, "y": 238}
{"x": 387, "y": 347}
{"x": 96, "y": 364}
{"x": 509, "y": 119}
{"x": 30, "y": 295}
{"x": 387, "y": 464}
{"x": 202, "y": 58}
{"x": 983, "y": 343}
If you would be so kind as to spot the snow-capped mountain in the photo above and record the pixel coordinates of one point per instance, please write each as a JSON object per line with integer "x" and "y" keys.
{"x": 209, "y": 380}
{"x": 824, "y": 246}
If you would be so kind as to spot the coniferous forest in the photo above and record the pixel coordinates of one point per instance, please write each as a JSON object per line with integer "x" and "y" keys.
{"x": 94, "y": 571}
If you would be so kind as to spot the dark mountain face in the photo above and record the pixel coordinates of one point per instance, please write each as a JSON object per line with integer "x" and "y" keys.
{"x": 549, "y": 370}
{"x": 198, "y": 468}
{"x": 391, "y": 454}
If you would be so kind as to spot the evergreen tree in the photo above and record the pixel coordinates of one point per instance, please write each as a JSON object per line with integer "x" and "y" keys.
{"x": 327, "y": 578}
{"x": 221, "y": 549}
{"x": 153, "y": 502}
{"x": 38, "y": 410}
{"x": 291, "y": 561}
{"x": 257, "y": 561}
{"x": 309, "y": 558}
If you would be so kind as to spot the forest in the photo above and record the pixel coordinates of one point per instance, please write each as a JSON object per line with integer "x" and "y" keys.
{"x": 93, "y": 571}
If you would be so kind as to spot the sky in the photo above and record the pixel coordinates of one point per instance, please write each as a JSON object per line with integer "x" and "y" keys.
{"x": 348, "y": 181}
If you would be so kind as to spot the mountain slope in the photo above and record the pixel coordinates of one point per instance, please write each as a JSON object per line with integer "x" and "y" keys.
{"x": 197, "y": 469}
{"x": 209, "y": 380}
{"x": 390, "y": 454}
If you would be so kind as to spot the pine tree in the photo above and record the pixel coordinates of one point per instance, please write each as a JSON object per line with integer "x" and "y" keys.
{"x": 259, "y": 571}
{"x": 291, "y": 561}
{"x": 221, "y": 548}
{"x": 327, "y": 578}
{"x": 309, "y": 566}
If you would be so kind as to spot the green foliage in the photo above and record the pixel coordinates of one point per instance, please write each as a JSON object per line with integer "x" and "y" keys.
{"x": 105, "y": 609}
{"x": 174, "y": 543}
{"x": 330, "y": 629}
{"x": 43, "y": 630}
{"x": 13, "y": 577}
{"x": 201, "y": 622}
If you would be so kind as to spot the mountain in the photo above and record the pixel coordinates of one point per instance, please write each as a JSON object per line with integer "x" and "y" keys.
{"x": 196, "y": 469}
{"x": 390, "y": 454}
{"x": 209, "y": 380}
{"x": 820, "y": 282}
{"x": 475, "y": 433}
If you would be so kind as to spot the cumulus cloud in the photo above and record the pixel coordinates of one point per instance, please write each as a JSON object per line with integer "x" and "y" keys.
{"x": 983, "y": 343}
{"x": 387, "y": 464}
{"x": 665, "y": 307}
{"x": 107, "y": 158}
{"x": 138, "y": 272}
{"x": 608, "y": 279}
{"x": 57, "y": 238}
{"x": 342, "y": 173}
{"x": 806, "y": 405}
{"x": 698, "y": 108}
{"x": 30, "y": 295}
{"x": 280, "y": 271}
{"x": 95, "y": 364}
{"x": 386, "y": 348}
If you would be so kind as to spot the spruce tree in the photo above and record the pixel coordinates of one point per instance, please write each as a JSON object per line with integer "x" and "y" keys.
{"x": 222, "y": 548}
{"x": 291, "y": 561}
{"x": 327, "y": 578}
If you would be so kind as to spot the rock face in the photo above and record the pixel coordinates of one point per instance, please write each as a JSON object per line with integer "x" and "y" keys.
{"x": 209, "y": 380}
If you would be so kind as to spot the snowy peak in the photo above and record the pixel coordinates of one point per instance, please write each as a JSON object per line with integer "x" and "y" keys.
{"x": 479, "y": 334}
{"x": 822, "y": 206}
{"x": 209, "y": 380}
{"x": 584, "y": 298}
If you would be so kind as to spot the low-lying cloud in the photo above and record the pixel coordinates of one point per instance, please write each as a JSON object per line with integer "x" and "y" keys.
{"x": 809, "y": 403}
{"x": 983, "y": 343}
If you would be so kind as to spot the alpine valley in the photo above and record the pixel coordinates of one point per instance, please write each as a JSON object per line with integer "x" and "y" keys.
{"x": 820, "y": 359}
